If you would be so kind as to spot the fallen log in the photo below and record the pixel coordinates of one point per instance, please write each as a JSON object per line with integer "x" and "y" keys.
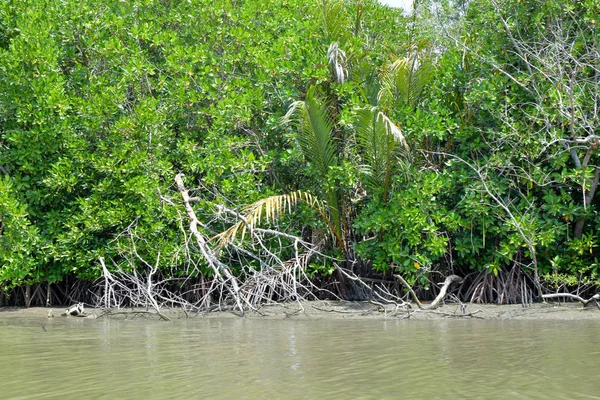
{"x": 439, "y": 298}
{"x": 595, "y": 298}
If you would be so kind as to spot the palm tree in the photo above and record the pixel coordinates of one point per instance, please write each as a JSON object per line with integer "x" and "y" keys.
{"x": 379, "y": 139}
{"x": 320, "y": 148}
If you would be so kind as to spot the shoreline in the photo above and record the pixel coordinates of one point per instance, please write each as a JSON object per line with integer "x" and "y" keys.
{"x": 337, "y": 310}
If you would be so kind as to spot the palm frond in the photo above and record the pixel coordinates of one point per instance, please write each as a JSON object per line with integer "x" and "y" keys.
{"x": 337, "y": 62}
{"x": 379, "y": 139}
{"x": 334, "y": 20}
{"x": 406, "y": 79}
{"x": 315, "y": 137}
{"x": 270, "y": 209}
{"x": 392, "y": 129}
{"x": 319, "y": 146}
{"x": 366, "y": 78}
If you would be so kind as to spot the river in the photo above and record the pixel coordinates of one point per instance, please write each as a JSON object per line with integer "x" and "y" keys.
{"x": 71, "y": 358}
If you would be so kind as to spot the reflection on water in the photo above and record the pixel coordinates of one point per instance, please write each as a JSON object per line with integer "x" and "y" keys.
{"x": 235, "y": 358}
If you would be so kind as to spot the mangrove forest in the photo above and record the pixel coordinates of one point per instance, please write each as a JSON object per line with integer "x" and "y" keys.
{"x": 225, "y": 154}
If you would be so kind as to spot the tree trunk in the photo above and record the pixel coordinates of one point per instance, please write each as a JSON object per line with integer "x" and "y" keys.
{"x": 48, "y": 295}
{"x": 27, "y": 296}
{"x": 589, "y": 196}
{"x": 342, "y": 285}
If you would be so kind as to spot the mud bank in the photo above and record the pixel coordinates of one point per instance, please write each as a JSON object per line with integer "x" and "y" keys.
{"x": 365, "y": 310}
{"x": 316, "y": 310}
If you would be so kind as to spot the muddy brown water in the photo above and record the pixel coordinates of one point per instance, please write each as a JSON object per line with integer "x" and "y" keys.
{"x": 233, "y": 358}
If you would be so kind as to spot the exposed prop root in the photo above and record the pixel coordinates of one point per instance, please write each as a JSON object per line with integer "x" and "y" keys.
{"x": 507, "y": 287}
{"x": 377, "y": 293}
{"x": 382, "y": 294}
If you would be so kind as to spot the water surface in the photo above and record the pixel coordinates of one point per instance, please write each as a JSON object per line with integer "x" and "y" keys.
{"x": 338, "y": 359}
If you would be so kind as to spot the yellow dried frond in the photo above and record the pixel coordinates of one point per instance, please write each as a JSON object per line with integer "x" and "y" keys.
{"x": 270, "y": 209}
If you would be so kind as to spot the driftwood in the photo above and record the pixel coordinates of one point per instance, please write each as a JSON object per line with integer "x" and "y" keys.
{"x": 410, "y": 290}
{"x": 74, "y": 311}
{"x": 595, "y": 298}
{"x": 439, "y": 298}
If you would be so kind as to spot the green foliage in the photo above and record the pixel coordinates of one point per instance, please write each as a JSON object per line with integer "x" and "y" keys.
{"x": 404, "y": 80}
{"x": 316, "y": 132}
{"x": 101, "y": 103}
{"x": 516, "y": 127}
{"x": 19, "y": 240}
{"x": 411, "y": 231}
{"x": 378, "y": 140}
{"x": 335, "y": 20}
{"x": 319, "y": 146}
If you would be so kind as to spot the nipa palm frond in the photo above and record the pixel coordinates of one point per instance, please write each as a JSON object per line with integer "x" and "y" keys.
{"x": 392, "y": 129}
{"x": 315, "y": 136}
{"x": 270, "y": 209}
{"x": 366, "y": 78}
{"x": 406, "y": 79}
{"x": 334, "y": 22}
{"x": 378, "y": 138}
{"x": 337, "y": 62}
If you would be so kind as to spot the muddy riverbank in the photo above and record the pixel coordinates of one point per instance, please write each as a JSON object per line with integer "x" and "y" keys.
{"x": 317, "y": 310}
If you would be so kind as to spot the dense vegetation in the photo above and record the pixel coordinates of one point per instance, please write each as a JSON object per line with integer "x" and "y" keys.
{"x": 460, "y": 139}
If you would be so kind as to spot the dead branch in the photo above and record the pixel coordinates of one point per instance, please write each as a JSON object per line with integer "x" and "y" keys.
{"x": 595, "y": 298}
{"x": 410, "y": 290}
{"x": 439, "y": 298}
{"x": 453, "y": 315}
{"x": 122, "y": 287}
{"x": 449, "y": 281}
{"x": 219, "y": 269}
{"x": 263, "y": 277}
